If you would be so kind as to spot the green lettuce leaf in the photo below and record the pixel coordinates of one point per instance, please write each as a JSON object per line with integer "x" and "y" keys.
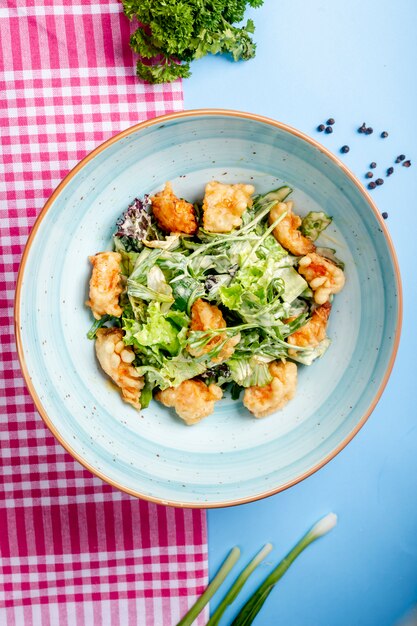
{"x": 157, "y": 333}
{"x": 146, "y": 394}
{"x": 185, "y": 292}
{"x": 128, "y": 258}
{"x": 150, "y": 286}
{"x": 173, "y": 371}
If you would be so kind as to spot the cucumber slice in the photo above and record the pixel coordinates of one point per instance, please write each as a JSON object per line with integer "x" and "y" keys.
{"x": 278, "y": 195}
{"x": 314, "y": 223}
{"x": 294, "y": 284}
{"x": 329, "y": 253}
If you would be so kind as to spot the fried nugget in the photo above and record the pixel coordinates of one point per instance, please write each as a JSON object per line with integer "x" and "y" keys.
{"x": 323, "y": 276}
{"x": 173, "y": 214}
{"x": 116, "y": 360}
{"x": 224, "y": 205}
{"x": 314, "y": 331}
{"x": 286, "y": 231}
{"x": 192, "y": 400}
{"x": 262, "y": 401}
{"x": 206, "y": 316}
{"x": 105, "y": 284}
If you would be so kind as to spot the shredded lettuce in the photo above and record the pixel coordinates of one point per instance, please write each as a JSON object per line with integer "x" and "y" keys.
{"x": 249, "y": 371}
{"x": 128, "y": 257}
{"x": 172, "y": 372}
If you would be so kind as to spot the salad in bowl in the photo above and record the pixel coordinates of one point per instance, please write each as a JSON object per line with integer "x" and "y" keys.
{"x": 228, "y": 295}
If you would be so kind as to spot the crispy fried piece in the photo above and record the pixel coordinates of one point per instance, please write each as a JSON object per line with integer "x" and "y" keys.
{"x": 173, "y": 214}
{"x": 262, "y": 401}
{"x": 205, "y": 316}
{"x": 192, "y": 400}
{"x": 287, "y": 233}
{"x": 105, "y": 284}
{"x": 314, "y": 331}
{"x": 224, "y": 205}
{"x": 116, "y": 360}
{"x": 323, "y": 276}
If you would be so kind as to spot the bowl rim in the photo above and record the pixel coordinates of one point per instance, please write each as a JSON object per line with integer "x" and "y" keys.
{"x": 17, "y": 303}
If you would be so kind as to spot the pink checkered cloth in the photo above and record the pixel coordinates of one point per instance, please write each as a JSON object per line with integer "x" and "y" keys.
{"x": 74, "y": 550}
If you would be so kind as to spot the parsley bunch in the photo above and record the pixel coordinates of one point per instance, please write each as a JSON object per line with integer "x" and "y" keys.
{"x": 174, "y": 32}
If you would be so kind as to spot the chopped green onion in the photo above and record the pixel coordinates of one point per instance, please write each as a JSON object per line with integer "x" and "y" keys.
{"x": 99, "y": 323}
{"x": 252, "y": 607}
{"x": 219, "y": 578}
{"x": 238, "y": 584}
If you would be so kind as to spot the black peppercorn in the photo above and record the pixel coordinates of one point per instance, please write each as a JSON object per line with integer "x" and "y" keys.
{"x": 369, "y": 175}
{"x": 384, "y": 134}
{"x": 321, "y": 128}
{"x": 379, "y": 181}
{"x": 369, "y": 131}
{"x": 373, "y": 165}
{"x": 362, "y": 128}
{"x": 330, "y": 121}
{"x": 329, "y": 130}
{"x": 407, "y": 163}
{"x": 385, "y": 215}
{"x": 400, "y": 158}
{"x": 390, "y": 171}
{"x": 371, "y": 185}
{"x": 344, "y": 149}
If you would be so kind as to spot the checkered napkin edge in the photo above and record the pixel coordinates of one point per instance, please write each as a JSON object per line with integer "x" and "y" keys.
{"x": 73, "y": 549}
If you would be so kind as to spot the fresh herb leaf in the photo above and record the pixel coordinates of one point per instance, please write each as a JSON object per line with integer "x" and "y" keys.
{"x": 174, "y": 32}
{"x": 125, "y": 247}
{"x": 219, "y": 374}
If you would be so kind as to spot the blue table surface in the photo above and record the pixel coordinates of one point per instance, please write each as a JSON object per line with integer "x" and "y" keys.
{"x": 354, "y": 61}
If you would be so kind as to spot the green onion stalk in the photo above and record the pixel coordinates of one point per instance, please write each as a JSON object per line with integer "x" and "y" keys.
{"x": 238, "y": 584}
{"x": 252, "y": 607}
{"x": 211, "y": 589}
